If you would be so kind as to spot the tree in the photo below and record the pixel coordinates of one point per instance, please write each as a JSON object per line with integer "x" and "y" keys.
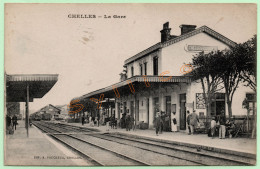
{"x": 249, "y": 70}
{"x": 235, "y": 66}
{"x": 77, "y": 106}
{"x": 249, "y": 73}
{"x": 203, "y": 70}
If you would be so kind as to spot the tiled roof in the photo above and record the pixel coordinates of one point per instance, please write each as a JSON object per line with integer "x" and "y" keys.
{"x": 152, "y": 79}
{"x": 159, "y": 45}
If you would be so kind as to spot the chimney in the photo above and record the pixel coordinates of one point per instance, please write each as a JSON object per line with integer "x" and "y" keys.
{"x": 187, "y": 28}
{"x": 166, "y": 32}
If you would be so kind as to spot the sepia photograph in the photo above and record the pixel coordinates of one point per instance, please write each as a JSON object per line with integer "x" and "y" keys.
{"x": 130, "y": 84}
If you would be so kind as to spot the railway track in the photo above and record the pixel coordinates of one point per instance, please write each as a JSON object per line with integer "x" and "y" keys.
{"x": 112, "y": 149}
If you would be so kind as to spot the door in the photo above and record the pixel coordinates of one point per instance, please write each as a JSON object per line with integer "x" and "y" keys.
{"x": 168, "y": 105}
{"x": 132, "y": 108}
{"x": 137, "y": 110}
{"x": 220, "y": 106}
{"x": 168, "y": 114}
{"x": 118, "y": 110}
{"x": 182, "y": 111}
{"x": 125, "y": 108}
{"x": 147, "y": 108}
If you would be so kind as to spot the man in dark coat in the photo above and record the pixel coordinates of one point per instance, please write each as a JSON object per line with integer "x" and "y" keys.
{"x": 188, "y": 121}
{"x": 128, "y": 122}
{"x": 222, "y": 128}
{"x": 98, "y": 119}
{"x": 14, "y": 119}
{"x": 83, "y": 120}
{"x": 8, "y": 120}
{"x": 194, "y": 119}
{"x": 157, "y": 123}
{"x": 132, "y": 122}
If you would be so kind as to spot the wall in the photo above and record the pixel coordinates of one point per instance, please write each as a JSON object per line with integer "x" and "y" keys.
{"x": 149, "y": 60}
{"x": 238, "y": 98}
{"x": 174, "y": 56}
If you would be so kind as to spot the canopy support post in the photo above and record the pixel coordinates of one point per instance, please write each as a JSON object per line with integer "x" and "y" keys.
{"x": 27, "y": 111}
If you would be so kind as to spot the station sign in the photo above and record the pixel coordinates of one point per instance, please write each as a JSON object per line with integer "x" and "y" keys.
{"x": 200, "y": 48}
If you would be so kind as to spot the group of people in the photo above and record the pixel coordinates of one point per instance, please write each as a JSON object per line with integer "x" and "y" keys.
{"x": 224, "y": 127}
{"x": 164, "y": 122}
{"x": 111, "y": 122}
{"x": 129, "y": 122}
{"x": 192, "y": 121}
{"x": 11, "y": 122}
{"x": 92, "y": 120}
{"x": 218, "y": 124}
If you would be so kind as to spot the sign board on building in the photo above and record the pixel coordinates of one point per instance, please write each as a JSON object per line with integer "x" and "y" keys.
{"x": 200, "y": 48}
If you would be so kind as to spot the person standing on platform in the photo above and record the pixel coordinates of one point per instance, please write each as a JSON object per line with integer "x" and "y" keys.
{"x": 188, "y": 121}
{"x": 8, "y": 123}
{"x": 93, "y": 120}
{"x": 112, "y": 121}
{"x": 213, "y": 125}
{"x": 98, "y": 119}
{"x": 132, "y": 119}
{"x": 14, "y": 119}
{"x": 162, "y": 115}
{"x": 222, "y": 128}
{"x": 83, "y": 120}
{"x": 174, "y": 122}
{"x": 128, "y": 122}
{"x": 194, "y": 119}
{"x": 107, "y": 120}
{"x": 157, "y": 123}
{"x": 89, "y": 120}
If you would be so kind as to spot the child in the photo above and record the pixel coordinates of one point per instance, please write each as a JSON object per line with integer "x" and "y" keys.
{"x": 213, "y": 126}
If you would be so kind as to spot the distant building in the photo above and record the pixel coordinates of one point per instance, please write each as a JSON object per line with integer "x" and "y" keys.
{"x": 64, "y": 113}
{"x": 50, "y": 109}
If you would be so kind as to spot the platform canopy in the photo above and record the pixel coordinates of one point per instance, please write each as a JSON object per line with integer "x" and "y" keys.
{"x": 138, "y": 83}
{"x": 39, "y": 85}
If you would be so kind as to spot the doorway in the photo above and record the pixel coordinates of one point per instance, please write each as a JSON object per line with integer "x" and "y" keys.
{"x": 132, "y": 108}
{"x": 218, "y": 104}
{"x": 137, "y": 111}
{"x": 147, "y": 108}
{"x": 183, "y": 111}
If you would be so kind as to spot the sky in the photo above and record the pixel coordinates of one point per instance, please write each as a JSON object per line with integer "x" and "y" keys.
{"x": 89, "y": 53}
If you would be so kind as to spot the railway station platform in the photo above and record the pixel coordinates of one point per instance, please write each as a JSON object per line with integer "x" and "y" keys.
{"x": 245, "y": 146}
{"x": 37, "y": 150}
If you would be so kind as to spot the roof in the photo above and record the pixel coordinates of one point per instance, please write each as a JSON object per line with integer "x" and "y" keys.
{"x": 152, "y": 79}
{"x": 48, "y": 107}
{"x": 39, "y": 85}
{"x": 160, "y": 45}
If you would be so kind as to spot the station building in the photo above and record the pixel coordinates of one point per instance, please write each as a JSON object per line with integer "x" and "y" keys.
{"x": 48, "y": 112}
{"x": 156, "y": 79}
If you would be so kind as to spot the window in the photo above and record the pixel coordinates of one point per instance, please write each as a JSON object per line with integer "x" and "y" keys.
{"x": 251, "y": 98}
{"x": 145, "y": 68}
{"x": 132, "y": 71}
{"x": 155, "y": 65}
{"x": 141, "y": 69}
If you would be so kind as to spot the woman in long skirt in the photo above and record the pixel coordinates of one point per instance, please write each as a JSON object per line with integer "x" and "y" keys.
{"x": 174, "y": 122}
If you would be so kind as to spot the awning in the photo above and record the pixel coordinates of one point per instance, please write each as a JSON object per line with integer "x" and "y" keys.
{"x": 137, "y": 79}
{"x": 39, "y": 85}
